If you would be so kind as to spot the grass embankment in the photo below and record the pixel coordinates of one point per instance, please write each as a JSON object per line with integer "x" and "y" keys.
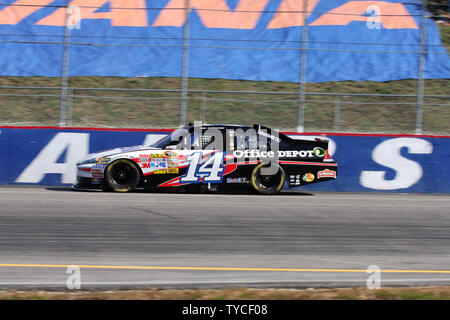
{"x": 360, "y": 293}
{"x": 97, "y": 108}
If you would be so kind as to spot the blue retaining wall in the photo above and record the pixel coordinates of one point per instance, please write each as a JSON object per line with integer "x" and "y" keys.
{"x": 388, "y": 163}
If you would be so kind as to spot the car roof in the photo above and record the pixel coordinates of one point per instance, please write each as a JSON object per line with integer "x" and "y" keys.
{"x": 235, "y": 126}
{"x": 228, "y": 126}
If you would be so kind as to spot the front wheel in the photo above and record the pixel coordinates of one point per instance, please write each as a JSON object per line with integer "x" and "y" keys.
{"x": 122, "y": 176}
{"x": 267, "y": 184}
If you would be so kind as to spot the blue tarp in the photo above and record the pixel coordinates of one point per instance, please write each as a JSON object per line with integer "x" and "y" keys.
{"x": 365, "y": 163}
{"x": 349, "y": 46}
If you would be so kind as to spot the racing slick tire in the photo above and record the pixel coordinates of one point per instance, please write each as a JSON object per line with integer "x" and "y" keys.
{"x": 122, "y": 176}
{"x": 267, "y": 184}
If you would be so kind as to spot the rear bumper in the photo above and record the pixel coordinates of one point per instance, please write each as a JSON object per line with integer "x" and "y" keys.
{"x": 310, "y": 174}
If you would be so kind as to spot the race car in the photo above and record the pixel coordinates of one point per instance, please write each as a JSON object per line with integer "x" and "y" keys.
{"x": 210, "y": 157}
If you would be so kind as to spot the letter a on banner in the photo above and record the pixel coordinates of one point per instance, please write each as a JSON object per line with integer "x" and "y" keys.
{"x": 77, "y": 145}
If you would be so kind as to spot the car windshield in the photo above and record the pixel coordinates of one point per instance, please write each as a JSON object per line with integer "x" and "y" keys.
{"x": 171, "y": 139}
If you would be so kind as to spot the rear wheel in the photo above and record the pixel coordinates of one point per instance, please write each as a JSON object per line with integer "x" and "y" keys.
{"x": 267, "y": 184}
{"x": 122, "y": 176}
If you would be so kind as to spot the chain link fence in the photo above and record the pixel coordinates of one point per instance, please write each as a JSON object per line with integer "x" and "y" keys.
{"x": 301, "y": 110}
{"x": 160, "y": 108}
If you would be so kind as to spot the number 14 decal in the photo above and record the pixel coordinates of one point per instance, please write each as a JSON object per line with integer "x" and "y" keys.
{"x": 210, "y": 170}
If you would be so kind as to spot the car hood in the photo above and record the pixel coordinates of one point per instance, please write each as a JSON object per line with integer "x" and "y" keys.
{"x": 111, "y": 152}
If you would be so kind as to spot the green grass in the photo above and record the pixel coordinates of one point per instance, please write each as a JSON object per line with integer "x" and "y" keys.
{"x": 409, "y": 295}
{"x": 445, "y": 36}
{"x": 279, "y": 111}
{"x": 357, "y": 293}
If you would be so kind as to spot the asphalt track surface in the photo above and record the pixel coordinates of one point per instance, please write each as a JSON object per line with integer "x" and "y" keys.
{"x": 220, "y": 240}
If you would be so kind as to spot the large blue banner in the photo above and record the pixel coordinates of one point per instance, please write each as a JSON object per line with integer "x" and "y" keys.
{"x": 383, "y": 163}
{"x": 231, "y": 39}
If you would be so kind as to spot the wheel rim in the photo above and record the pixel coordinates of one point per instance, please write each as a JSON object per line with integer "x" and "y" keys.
{"x": 267, "y": 181}
{"x": 123, "y": 175}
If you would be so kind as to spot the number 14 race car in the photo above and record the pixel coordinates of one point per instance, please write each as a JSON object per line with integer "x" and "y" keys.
{"x": 210, "y": 157}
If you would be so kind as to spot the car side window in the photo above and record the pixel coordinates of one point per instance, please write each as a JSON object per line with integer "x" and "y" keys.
{"x": 185, "y": 141}
{"x": 245, "y": 142}
{"x": 213, "y": 139}
{"x": 264, "y": 143}
{"x": 197, "y": 141}
{"x": 206, "y": 142}
{"x": 285, "y": 145}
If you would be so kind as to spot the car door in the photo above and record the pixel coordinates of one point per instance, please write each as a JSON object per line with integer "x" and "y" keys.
{"x": 203, "y": 156}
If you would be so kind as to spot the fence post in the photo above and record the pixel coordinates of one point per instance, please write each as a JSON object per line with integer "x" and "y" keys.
{"x": 303, "y": 53}
{"x": 185, "y": 65}
{"x": 421, "y": 67}
{"x": 69, "y": 106}
{"x": 65, "y": 71}
{"x": 203, "y": 107}
{"x": 337, "y": 110}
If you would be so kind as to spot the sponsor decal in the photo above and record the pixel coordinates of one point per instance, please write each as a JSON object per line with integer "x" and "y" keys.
{"x": 237, "y": 180}
{"x": 294, "y": 180}
{"x": 160, "y": 171}
{"x": 97, "y": 170}
{"x": 144, "y": 158}
{"x": 155, "y": 163}
{"x": 319, "y": 152}
{"x": 103, "y": 160}
{"x": 159, "y": 164}
{"x": 208, "y": 171}
{"x": 231, "y": 139}
{"x": 308, "y": 177}
{"x": 172, "y": 164}
{"x": 95, "y": 181}
{"x": 267, "y": 135}
{"x": 170, "y": 154}
{"x": 156, "y": 155}
{"x": 172, "y": 170}
{"x": 326, "y": 174}
{"x": 272, "y": 154}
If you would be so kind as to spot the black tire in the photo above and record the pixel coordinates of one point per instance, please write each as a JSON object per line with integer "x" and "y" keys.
{"x": 267, "y": 184}
{"x": 122, "y": 176}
